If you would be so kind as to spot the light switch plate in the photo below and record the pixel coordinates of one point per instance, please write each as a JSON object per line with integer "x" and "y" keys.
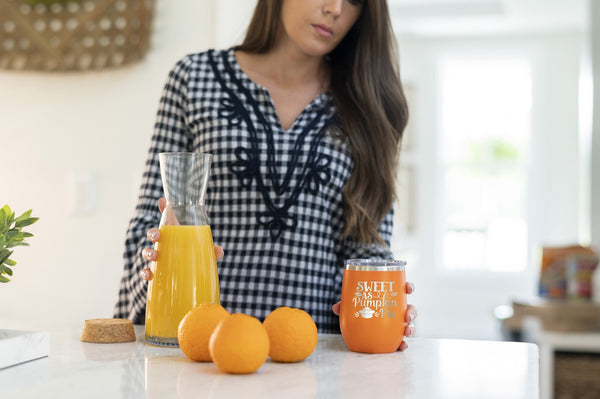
{"x": 84, "y": 192}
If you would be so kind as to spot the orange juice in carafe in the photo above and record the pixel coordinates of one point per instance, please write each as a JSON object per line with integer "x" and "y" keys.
{"x": 185, "y": 270}
{"x": 184, "y": 276}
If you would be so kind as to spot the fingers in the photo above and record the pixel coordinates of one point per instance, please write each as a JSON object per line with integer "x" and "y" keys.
{"x": 336, "y": 309}
{"x": 168, "y": 217}
{"x": 410, "y": 288}
{"x": 153, "y": 235}
{"x": 162, "y": 204}
{"x": 411, "y": 314}
{"x": 147, "y": 274}
{"x": 409, "y": 331}
{"x": 149, "y": 254}
{"x": 219, "y": 253}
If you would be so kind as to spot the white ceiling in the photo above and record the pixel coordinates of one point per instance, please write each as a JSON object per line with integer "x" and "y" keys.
{"x": 476, "y": 17}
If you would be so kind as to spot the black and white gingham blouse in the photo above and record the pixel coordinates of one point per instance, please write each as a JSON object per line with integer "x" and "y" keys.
{"x": 274, "y": 197}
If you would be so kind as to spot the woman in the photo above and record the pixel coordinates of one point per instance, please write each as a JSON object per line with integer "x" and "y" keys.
{"x": 304, "y": 120}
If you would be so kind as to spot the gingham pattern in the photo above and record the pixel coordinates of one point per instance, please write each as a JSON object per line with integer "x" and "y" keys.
{"x": 274, "y": 196}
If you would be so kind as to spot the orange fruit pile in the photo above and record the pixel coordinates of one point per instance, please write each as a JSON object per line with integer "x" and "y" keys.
{"x": 240, "y": 343}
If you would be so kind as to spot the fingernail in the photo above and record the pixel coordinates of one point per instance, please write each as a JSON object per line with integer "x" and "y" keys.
{"x": 412, "y": 287}
{"x": 147, "y": 274}
{"x": 411, "y": 316}
{"x": 154, "y": 235}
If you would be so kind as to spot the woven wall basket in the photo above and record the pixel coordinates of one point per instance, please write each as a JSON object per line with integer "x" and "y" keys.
{"x": 73, "y": 35}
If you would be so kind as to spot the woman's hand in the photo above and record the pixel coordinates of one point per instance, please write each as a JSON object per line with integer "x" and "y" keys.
{"x": 410, "y": 315}
{"x": 153, "y": 235}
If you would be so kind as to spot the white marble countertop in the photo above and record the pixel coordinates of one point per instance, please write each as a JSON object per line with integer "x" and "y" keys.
{"x": 429, "y": 369}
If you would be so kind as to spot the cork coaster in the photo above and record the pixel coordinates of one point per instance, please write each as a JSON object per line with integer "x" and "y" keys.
{"x": 108, "y": 331}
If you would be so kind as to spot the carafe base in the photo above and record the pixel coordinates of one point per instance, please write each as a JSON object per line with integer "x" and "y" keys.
{"x": 168, "y": 342}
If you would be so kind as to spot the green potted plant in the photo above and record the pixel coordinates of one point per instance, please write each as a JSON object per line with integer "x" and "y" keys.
{"x": 17, "y": 346}
{"x": 12, "y": 235}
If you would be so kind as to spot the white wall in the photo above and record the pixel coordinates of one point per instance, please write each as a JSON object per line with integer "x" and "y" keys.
{"x": 54, "y": 125}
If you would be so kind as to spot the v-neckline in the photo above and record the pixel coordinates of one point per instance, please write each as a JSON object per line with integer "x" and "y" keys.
{"x": 318, "y": 101}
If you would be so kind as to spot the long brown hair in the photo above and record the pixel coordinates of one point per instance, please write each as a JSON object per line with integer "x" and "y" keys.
{"x": 369, "y": 100}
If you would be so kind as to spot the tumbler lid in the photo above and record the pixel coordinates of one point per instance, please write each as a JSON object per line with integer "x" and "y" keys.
{"x": 381, "y": 265}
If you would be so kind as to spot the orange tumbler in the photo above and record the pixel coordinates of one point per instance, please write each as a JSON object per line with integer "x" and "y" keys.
{"x": 373, "y": 305}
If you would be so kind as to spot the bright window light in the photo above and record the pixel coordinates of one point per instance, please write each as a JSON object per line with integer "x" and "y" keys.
{"x": 486, "y": 126}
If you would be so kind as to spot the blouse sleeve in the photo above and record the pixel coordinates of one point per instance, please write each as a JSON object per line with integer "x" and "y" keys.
{"x": 170, "y": 135}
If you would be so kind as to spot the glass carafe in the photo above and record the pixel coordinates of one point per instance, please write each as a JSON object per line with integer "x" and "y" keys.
{"x": 185, "y": 271}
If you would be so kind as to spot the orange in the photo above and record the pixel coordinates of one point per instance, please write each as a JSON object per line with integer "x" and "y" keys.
{"x": 196, "y": 328}
{"x": 239, "y": 344}
{"x": 292, "y": 334}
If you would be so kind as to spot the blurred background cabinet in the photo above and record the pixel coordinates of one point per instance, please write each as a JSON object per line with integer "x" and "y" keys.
{"x": 568, "y": 336}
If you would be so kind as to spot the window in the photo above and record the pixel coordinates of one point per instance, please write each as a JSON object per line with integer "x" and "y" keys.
{"x": 486, "y": 125}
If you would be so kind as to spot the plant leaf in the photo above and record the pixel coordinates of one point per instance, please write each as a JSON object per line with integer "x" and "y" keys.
{"x": 25, "y": 222}
{"x": 11, "y": 235}
{"x": 10, "y": 262}
{"x": 6, "y": 270}
{"x": 11, "y": 218}
{"x": 4, "y": 255}
{"x": 17, "y": 244}
{"x": 4, "y": 279}
{"x": 4, "y": 212}
{"x": 24, "y": 216}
